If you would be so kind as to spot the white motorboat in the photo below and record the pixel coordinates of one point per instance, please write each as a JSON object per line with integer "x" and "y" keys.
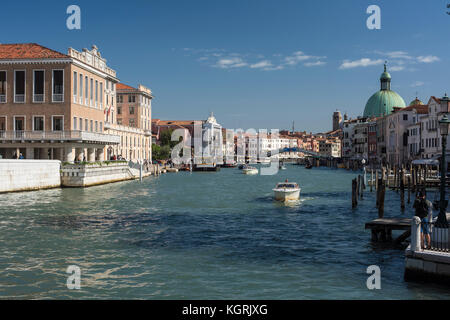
{"x": 287, "y": 191}
{"x": 249, "y": 170}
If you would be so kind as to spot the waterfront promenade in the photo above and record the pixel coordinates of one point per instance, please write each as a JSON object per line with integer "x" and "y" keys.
{"x": 202, "y": 236}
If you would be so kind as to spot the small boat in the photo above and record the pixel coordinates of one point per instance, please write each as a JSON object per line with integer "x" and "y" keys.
{"x": 249, "y": 170}
{"x": 308, "y": 165}
{"x": 287, "y": 191}
{"x": 205, "y": 167}
{"x": 282, "y": 167}
{"x": 229, "y": 165}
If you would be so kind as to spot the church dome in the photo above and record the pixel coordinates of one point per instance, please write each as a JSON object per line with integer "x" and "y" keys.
{"x": 382, "y": 103}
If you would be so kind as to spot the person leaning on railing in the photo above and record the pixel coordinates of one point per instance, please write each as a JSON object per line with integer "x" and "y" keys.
{"x": 424, "y": 210}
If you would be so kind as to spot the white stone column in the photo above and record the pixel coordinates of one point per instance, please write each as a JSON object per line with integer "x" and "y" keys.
{"x": 415, "y": 234}
{"x": 70, "y": 155}
{"x": 78, "y": 154}
{"x": 101, "y": 154}
{"x": 91, "y": 154}
{"x": 30, "y": 153}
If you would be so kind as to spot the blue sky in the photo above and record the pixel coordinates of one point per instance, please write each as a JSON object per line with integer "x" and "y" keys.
{"x": 254, "y": 63}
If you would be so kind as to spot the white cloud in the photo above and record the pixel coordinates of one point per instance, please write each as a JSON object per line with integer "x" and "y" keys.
{"x": 314, "y": 64}
{"x": 219, "y": 58}
{"x": 395, "y": 54}
{"x": 296, "y": 57}
{"x": 417, "y": 84}
{"x": 230, "y": 63}
{"x": 427, "y": 59}
{"x": 396, "y": 68}
{"x": 261, "y": 64}
{"x": 274, "y": 68}
{"x": 364, "y": 62}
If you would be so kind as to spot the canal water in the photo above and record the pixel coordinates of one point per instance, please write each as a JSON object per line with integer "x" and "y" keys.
{"x": 201, "y": 236}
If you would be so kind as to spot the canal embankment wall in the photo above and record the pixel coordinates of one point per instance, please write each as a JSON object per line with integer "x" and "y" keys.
{"x": 74, "y": 175}
{"x": 26, "y": 175}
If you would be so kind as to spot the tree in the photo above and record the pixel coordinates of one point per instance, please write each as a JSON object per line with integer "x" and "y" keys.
{"x": 164, "y": 150}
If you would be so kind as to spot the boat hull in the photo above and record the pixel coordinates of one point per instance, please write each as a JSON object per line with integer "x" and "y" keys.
{"x": 250, "y": 171}
{"x": 205, "y": 168}
{"x": 281, "y": 195}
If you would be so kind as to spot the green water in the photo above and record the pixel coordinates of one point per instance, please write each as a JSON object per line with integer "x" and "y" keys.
{"x": 201, "y": 236}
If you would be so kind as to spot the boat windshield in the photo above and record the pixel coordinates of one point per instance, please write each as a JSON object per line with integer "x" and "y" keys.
{"x": 287, "y": 185}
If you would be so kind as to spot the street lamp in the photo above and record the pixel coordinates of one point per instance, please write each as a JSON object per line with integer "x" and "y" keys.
{"x": 443, "y": 126}
{"x": 363, "y": 161}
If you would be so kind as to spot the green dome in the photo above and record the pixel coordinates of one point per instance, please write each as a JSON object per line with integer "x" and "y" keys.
{"x": 385, "y": 76}
{"x": 382, "y": 103}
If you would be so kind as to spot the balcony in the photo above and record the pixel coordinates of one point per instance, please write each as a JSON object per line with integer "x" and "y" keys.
{"x": 58, "y": 98}
{"x": 38, "y": 98}
{"x": 19, "y": 98}
{"x": 62, "y": 136}
{"x": 2, "y": 98}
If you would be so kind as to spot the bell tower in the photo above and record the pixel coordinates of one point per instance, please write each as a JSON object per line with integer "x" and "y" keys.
{"x": 385, "y": 79}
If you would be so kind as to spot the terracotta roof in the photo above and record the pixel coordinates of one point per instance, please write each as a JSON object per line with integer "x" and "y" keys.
{"x": 436, "y": 99}
{"x": 29, "y": 51}
{"x": 176, "y": 122}
{"x": 123, "y": 86}
{"x": 421, "y": 109}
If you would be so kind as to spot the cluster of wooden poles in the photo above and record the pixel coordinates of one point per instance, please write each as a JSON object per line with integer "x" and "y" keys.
{"x": 396, "y": 178}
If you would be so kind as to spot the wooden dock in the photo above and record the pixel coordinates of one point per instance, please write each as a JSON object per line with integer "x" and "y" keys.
{"x": 382, "y": 228}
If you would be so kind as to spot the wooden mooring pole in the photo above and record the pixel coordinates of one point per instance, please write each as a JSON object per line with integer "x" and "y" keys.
{"x": 354, "y": 196}
{"x": 409, "y": 189}
{"x": 361, "y": 185}
{"x": 402, "y": 191}
{"x": 376, "y": 180}
{"x": 371, "y": 180}
{"x": 382, "y": 188}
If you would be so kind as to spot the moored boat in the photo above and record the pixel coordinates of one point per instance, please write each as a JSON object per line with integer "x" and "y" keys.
{"x": 287, "y": 191}
{"x": 249, "y": 170}
{"x": 229, "y": 165}
{"x": 206, "y": 167}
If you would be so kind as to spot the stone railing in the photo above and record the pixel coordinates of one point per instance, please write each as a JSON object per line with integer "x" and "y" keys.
{"x": 60, "y": 136}
{"x": 439, "y": 237}
{"x": 95, "y": 173}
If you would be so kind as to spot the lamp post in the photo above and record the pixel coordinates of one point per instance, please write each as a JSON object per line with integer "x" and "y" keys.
{"x": 363, "y": 161}
{"x": 443, "y": 126}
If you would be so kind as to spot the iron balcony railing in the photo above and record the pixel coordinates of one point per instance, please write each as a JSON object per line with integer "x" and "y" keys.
{"x": 58, "y": 97}
{"x": 19, "y": 98}
{"x": 438, "y": 239}
{"x": 2, "y": 98}
{"x": 73, "y": 135}
{"x": 38, "y": 98}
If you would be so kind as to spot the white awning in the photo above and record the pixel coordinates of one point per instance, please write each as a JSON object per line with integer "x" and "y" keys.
{"x": 426, "y": 162}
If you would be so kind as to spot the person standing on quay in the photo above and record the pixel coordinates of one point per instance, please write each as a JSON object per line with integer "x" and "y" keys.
{"x": 424, "y": 210}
